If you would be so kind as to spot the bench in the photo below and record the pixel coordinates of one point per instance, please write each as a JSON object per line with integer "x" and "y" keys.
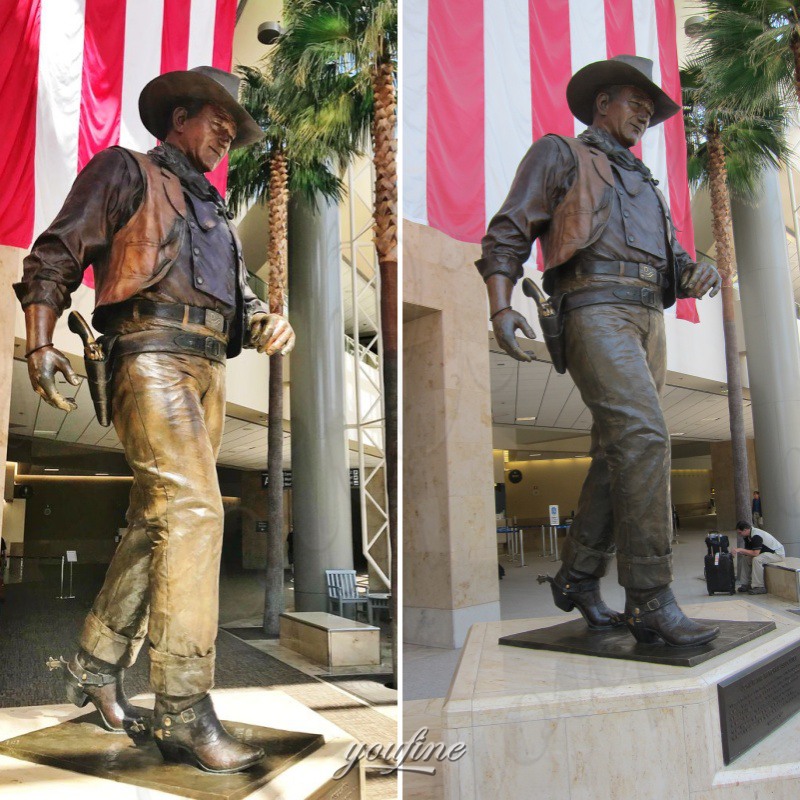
{"x": 330, "y": 640}
{"x": 783, "y": 579}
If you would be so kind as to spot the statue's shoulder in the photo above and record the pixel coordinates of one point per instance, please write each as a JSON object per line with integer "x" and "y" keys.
{"x": 131, "y": 156}
{"x": 569, "y": 148}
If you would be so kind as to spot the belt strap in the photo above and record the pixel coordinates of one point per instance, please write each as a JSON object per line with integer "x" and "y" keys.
{"x": 192, "y": 344}
{"x": 177, "y": 312}
{"x": 595, "y": 295}
{"x": 621, "y": 269}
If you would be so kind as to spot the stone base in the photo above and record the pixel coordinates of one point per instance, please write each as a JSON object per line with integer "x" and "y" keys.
{"x": 575, "y": 637}
{"x": 578, "y": 728}
{"x": 783, "y": 579}
{"x": 330, "y": 640}
{"x": 298, "y": 764}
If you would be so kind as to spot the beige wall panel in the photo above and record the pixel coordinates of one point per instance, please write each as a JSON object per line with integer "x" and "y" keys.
{"x": 450, "y": 555}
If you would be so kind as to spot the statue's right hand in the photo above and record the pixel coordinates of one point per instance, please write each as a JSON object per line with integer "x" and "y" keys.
{"x": 42, "y": 367}
{"x": 505, "y": 325}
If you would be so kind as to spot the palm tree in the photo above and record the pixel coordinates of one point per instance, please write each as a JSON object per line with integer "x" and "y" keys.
{"x": 752, "y": 47}
{"x": 282, "y": 164}
{"x": 354, "y": 42}
{"x": 727, "y": 149}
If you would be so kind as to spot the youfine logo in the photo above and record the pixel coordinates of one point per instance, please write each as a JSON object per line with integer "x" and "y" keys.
{"x": 396, "y": 756}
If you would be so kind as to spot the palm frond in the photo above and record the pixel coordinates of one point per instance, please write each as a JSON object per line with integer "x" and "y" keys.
{"x": 751, "y": 139}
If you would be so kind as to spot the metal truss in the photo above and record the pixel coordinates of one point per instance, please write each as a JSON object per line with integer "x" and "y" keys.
{"x": 358, "y": 253}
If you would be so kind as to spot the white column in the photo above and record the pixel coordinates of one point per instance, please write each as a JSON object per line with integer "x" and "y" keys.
{"x": 773, "y": 356}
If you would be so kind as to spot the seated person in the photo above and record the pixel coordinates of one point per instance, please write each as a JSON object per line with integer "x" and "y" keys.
{"x": 759, "y": 548}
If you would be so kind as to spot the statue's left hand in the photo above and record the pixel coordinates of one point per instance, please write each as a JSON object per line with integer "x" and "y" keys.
{"x": 271, "y": 334}
{"x": 699, "y": 279}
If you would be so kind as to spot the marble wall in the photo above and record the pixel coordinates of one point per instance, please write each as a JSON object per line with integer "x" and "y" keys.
{"x": 10, "y": 270}
{"x": 449, "y": 548}
{"x": 722, "y": 481}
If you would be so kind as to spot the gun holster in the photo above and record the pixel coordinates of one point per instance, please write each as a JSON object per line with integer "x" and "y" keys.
{"x": 553, "y": 331}
{"x": 99, "y": 374}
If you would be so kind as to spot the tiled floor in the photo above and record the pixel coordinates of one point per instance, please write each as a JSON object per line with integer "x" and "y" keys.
{"x": 427, "y": 671}
{"x": 361, "y": 709}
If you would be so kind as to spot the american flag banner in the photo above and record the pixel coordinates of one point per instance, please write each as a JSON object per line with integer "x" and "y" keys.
{"x": 483, "y": 79}
{"x": 70, "y": 76}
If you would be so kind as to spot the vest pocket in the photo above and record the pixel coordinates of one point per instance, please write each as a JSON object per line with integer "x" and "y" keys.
{"x": 141, "y": 257}
{"x": 583, "y": 226}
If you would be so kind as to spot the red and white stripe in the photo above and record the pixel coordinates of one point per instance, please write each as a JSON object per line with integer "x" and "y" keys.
{"x": 482, "y": 79}
{"x": 70, "y": 76}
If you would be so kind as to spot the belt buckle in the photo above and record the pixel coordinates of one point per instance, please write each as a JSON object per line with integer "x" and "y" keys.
{"x": 649, "y": 298}
{"x": 647, "y": 273}
{"x": 214, "y": 320}
{"x": 213, "y": 347}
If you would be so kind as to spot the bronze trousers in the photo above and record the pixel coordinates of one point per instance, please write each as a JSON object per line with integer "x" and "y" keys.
{"x": 616, "y": 354}
{"x": 168, "y": 411}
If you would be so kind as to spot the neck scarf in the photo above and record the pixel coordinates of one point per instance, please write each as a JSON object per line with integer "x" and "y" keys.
{"x": 621, "y": 156}
{"x": 169, "y": 157}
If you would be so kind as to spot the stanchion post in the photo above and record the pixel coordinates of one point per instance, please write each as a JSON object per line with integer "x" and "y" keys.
{"x": 61, "y": 595}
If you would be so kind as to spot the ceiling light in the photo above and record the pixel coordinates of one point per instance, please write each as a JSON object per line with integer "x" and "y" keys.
{"x": 101, "y": 474}
{"x": 533, "y": 455}
{"x": 694, "y": 26}
{"x": 268, "y": 32}
{"x": 525, "y": 419}
{"x": 677, "y": 434}
{"x": 50, "y": 469}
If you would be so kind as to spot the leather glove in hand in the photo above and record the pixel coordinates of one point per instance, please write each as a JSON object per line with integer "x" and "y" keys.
{"x": 271, "y": 333}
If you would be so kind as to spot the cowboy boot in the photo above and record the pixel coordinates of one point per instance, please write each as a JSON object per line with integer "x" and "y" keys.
{"x": 88, "y": 679}
{"x": 653, "y": 614}
{"x": 573, "y": 589}
{"x": 196, "y": 736}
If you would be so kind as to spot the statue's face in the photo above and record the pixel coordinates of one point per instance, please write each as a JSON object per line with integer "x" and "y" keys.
{"x": 626, "y": 116}
{"x": 204, "y": 138}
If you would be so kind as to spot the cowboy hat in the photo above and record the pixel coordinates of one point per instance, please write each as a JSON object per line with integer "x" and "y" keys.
{"x": 160, "y": 97}
{"x": 585, "y": 84}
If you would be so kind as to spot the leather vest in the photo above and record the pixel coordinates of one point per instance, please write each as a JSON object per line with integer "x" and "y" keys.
{"x": 582, "y": 215}
{"x": 144, "y": 249}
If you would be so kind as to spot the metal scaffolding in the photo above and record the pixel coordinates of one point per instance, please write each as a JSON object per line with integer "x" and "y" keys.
{"x": 360, "y": 257}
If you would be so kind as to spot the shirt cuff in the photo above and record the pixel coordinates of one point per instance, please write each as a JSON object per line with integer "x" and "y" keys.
{"x": 47, "y": 293}
{"x": 489, "y": 266}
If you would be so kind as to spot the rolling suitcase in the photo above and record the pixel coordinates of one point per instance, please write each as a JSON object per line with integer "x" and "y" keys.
{"x": 719, "y": 572}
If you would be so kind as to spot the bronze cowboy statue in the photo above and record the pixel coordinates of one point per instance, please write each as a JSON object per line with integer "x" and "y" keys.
{"x": 612, "y": 264}
{"x": 172, "y": 300}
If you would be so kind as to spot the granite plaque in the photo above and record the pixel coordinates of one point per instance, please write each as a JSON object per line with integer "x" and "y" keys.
{"x": 755, "y": 702}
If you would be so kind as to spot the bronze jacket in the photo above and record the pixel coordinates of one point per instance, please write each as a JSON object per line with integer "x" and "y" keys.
{"x": 127, "y": 259}
{"x": 570, "y": 197}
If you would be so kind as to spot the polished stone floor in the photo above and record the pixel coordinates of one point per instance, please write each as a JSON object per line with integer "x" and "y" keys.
{"x": 35, "y": 624}
{"x": 428, "y": 671}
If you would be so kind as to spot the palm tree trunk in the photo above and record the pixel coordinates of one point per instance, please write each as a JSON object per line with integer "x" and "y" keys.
{"x": 384, "y": 140}
{"x": 278, "y": 218}
{"x": 794, "y": 43}
{"x": 721, "y": 214}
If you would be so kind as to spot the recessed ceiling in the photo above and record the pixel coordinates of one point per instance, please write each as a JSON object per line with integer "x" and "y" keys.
{"x": 524, "y": 390}
{"x": 244, "y": 444}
